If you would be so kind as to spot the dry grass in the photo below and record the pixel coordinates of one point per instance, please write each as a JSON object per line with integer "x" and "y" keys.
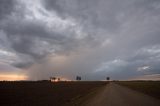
{"x": 151, "y": 88}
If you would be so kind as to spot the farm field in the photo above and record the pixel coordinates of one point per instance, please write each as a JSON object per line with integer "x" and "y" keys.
{"x": 44, "y": 93}
{"x": 151, "y": 88}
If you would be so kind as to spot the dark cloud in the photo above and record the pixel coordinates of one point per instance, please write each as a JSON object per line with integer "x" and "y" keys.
{"x": 92, "y": 38}
{"x": 6, "y": 7}
{"x": 22, "y": 65}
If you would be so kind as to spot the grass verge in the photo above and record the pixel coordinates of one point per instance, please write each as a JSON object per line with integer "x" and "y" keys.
{"x": 151, "y": 88}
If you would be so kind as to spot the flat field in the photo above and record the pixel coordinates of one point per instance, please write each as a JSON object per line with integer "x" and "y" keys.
{"x": 151, "y": 88}
{"x": 44, "y": 93}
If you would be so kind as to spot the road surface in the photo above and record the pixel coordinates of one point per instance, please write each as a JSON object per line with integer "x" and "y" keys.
{"x": 116, "y": 95}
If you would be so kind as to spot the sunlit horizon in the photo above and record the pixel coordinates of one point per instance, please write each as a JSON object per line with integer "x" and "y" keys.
{"x": 12, "y": 77}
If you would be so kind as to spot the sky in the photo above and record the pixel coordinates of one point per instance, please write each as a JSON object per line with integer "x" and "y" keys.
{"x": 93, "y": 39}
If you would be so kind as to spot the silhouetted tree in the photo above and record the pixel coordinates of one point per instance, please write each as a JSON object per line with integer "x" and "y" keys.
{"x": 58, "y": 79}
{"x": 53, "y": 78}
{"x": 78, "y": 78}
{"x": 107, "y": 78}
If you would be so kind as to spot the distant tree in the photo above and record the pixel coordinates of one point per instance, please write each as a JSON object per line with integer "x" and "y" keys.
{"x": 53, "y": 78}
{"x": 107, "y": 78}
{"x": 78, "y": 78}
{"x": 58, "y": 79}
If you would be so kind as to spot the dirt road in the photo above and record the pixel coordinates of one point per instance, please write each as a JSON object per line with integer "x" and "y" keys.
{"x": 116, "y": 95}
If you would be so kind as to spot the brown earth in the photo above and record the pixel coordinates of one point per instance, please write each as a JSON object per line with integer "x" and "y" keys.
{"x": 44, "y": 93}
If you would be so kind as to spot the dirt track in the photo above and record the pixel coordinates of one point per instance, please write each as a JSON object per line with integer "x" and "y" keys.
{"x": 116, "y": 95}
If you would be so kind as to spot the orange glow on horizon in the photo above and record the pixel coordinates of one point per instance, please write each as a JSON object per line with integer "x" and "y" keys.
{"x": 12, "y": 77}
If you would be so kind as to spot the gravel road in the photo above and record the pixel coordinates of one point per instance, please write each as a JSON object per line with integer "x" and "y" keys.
{"x": 116, "y": 95}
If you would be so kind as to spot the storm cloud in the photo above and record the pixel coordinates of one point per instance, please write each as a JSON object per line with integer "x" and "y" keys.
{"x": 90, "y": 38}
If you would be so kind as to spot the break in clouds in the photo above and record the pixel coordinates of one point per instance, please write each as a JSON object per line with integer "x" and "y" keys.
{"x": 90, "y": 38}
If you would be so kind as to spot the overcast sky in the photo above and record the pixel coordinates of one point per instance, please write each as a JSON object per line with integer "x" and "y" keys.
{"x": 90, "y": 38}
